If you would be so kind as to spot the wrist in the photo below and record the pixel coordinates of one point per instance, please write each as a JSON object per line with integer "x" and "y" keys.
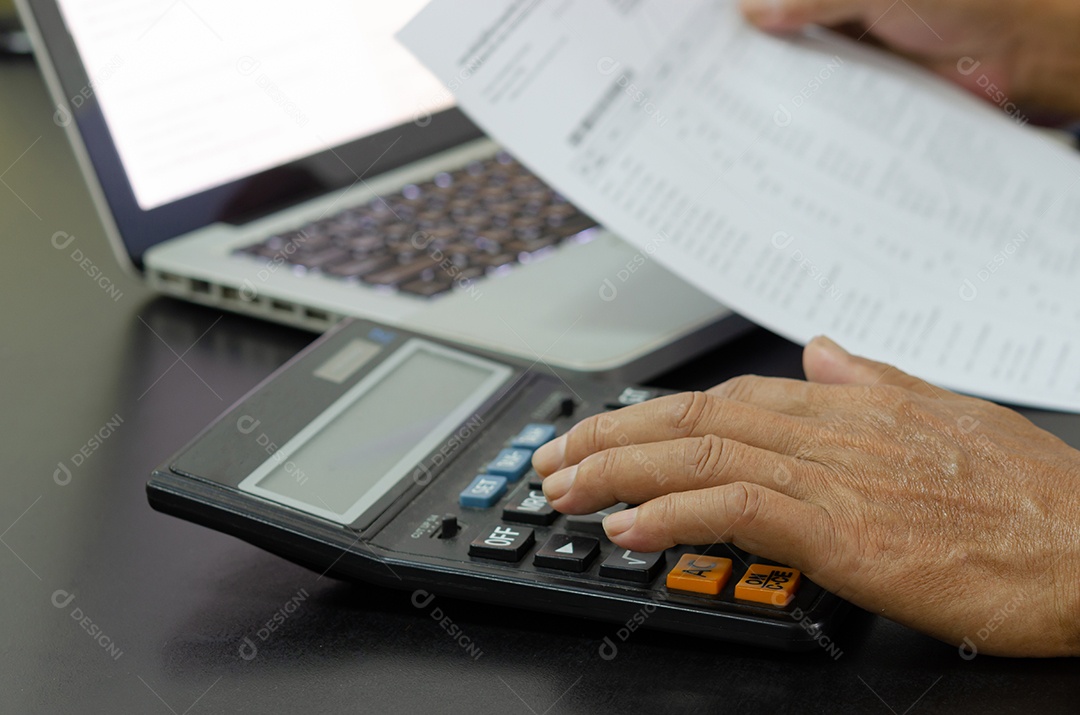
{"x": 1046, "y": 71}
{"x": 1065, "y": 575}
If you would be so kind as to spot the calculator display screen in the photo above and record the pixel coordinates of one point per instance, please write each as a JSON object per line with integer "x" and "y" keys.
{"x": 377, "y": 432}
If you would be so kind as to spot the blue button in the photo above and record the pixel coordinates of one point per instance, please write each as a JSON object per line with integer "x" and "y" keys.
{"x": 511, "y": 463}
{"x": 484, "y": 491}
{"x": 534, "y": 435}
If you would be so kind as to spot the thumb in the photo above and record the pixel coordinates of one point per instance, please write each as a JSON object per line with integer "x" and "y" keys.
{"x": 826, "y": 362}
{"x": 791, "y": 15}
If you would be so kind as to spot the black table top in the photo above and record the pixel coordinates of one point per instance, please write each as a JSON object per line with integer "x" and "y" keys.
{"x": 110, "y": 606}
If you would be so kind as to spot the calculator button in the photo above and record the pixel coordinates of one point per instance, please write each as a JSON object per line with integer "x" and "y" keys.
{"x": 591, "y": 523}
{"x": 533, "y": 480}
{"x": 504, "y": 543}
{"x": 636, "y": 566}
{"x": 771, "y": 585}
{"x": 484, "y": 491}
{"x": 635, "y": 396}
{"x": 533, "y": 436}
{"x": 511, "y": 463}
{"x": 567, "y": 553}
{"x": 531, "y": 507}
{"x": 700, "y": 574}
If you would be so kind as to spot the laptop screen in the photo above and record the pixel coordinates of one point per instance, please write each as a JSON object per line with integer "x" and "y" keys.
{"x": 197, "y": 111}
{"x": 198, "y": 94}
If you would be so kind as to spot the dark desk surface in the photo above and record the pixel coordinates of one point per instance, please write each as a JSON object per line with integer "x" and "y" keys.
{"x": 173, "y": 602}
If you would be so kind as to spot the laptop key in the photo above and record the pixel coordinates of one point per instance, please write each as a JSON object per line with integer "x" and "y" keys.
{"x": 362, "y": 244}
{"x": 469, "y": 274}
{"x": 358, "y": 268}
{"x": 318, "y": 259}
{"x": 494, "y": 261}
{"x": 402, "y": 272}
{"x": 572, "y": 226}
{"x": 531, "y": 246}
{"x": 426, "y": 289}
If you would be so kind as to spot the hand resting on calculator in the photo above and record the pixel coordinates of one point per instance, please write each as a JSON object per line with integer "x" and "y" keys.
{"x": 950, "y": 514}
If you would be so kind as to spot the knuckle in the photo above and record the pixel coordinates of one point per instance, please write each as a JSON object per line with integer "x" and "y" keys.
{"x": 591, "y": 433}
{"x": 743, "y": 502}
{"x": 709, "y": 458}
{"x": 595, "y": 468}
{"x": 691, "y": 413}
{"x": 739, "y": 388}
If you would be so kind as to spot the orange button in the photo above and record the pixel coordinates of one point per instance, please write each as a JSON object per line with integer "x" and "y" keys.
{"x": 700, "y": 574}
{"x": 771, "y": 585}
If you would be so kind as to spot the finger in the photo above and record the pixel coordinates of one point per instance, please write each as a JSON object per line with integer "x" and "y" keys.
{"x": 758, "y": 520}
{"x": 790, "y": 15}
{"x": 826, "y": 362}
{"x": 638, "y": 473}
{"x": 688, "y": 414}
{"x": 793, "y": 397}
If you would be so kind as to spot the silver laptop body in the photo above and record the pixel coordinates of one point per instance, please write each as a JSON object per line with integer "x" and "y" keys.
{"x": 423, "y": 224}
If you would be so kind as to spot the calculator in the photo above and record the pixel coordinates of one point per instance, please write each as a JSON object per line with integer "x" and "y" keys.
{"x": 389, "y": 458}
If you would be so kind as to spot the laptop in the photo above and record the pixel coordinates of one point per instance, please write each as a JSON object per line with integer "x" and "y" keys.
{"x": 292, "y": 161}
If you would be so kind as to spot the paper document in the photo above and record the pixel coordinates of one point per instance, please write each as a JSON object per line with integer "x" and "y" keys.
{"x": 810, "y": 183}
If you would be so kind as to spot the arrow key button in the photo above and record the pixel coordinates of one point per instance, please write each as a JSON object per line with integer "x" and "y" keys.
{"x": 567, "y": 553}
{"x": 636, "y": 566}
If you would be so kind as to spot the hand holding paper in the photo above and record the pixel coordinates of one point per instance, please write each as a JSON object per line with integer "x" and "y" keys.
{"x": 811, "y": 184}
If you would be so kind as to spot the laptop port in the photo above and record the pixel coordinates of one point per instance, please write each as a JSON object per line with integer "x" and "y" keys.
{"x": 320, "y": 315}
{"x": 281, "y": 306}
{"x": 198, "y": 286}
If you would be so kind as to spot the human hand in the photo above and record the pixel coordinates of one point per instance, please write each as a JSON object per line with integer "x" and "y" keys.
{"x": 943, "y": 512}
{"x": 1012, "y": 51}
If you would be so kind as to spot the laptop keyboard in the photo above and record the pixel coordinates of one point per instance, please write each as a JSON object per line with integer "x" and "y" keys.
{"x": 434, "y": 236}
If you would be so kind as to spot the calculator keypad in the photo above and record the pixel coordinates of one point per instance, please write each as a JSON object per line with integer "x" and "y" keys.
{"x": 771, "y": 585}
{"x": 530, "y": 506}
{"x": 483, "y": 491}
{"x": 636, "y": 566}
{"x": 698, "y": 573}
{"x": 503, "y": 543}
{"x": 566, "y": 552}
{"x": 533, "y": 436}
{"x": 591, "y": 523}
{"x": 577, "y": 545}
{"x": 511, "y": 463}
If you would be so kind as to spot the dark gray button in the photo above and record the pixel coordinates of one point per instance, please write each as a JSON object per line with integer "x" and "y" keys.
{"x": 529, "y": 506}
{"x": 567, "y": 552}
{"x": 636, "y": 566}
{"x": 592, "y": 523}
{"x": 502, "y": 542}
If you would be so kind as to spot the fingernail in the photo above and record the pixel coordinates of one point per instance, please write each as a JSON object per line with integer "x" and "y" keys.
{"x": 550, "y": 457}
{"x": 620, "y": 521}
{"x": 826, "y": 344}
{"x": 559, "y": 483}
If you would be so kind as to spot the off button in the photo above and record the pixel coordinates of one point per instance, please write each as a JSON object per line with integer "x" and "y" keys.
{"x": 503, "y": 543}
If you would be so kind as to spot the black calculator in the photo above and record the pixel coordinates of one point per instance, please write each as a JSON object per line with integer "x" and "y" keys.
{"x": 381, "y": 456}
